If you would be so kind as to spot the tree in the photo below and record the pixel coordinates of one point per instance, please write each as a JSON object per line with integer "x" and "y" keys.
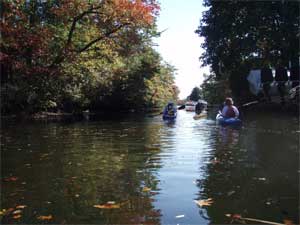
{"x": 243, "y": 35}
{"x": 195, "y": 94}
{"x": 74, "y": 54}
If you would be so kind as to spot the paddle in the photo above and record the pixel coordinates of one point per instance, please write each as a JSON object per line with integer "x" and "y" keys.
{"x": 249, "y": 104}
{"x": 181, "y": 107}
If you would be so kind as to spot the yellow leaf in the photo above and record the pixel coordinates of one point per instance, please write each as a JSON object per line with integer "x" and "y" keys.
{"x": 49, "y": 217}
{"x": 206, "y": 202}
{"x": 146, "y": 189}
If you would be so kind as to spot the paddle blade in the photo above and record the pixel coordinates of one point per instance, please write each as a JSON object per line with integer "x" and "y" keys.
{"x": 181, "y": 107}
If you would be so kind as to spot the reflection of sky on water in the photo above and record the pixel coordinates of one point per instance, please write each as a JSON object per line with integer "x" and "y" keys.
{"x": 182, "y": 148}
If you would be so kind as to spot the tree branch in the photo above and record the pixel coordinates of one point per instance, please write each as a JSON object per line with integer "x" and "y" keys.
{"x": 76, "y": 19}
{"x": 107, "y": 34}
{"x": 60, "y": 57}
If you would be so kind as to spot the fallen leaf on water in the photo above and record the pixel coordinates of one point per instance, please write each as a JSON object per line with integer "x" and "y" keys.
{"x": 146, "y": 189}
{"x": 21, "y": 206}
{"x": 18, "y": 216}
{"x": 2, "y": 212}
{"x": 11, "y": 179}
{"x": 107, "y": 206}
{"x": 17, "y": 212}
{"x": 234, "y": 216}
{"x": 206, "y": 202}
{"x": 49, "y": 217}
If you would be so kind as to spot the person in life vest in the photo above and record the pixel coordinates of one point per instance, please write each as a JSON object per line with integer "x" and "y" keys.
{"x": 229, "y": 110}
{"x": 170, "y": 109}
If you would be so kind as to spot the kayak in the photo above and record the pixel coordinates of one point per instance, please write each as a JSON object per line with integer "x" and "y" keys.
{"x": 199, "y": 116}
{"x": 170, "y": 112}
{"x": 169, "y": 117}
{"x": 228, "y": 121}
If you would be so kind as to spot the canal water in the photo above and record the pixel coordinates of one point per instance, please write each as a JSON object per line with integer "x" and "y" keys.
{"x": 142, "y": 170}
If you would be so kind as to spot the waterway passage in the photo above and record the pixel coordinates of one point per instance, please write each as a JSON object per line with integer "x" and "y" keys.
{"x": 142, "y": 170}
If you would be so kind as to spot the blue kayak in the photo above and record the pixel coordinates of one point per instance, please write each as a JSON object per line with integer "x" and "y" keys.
{"x": 170, "y": 112}
{"x": 228, "y": 121}
{"x": 169, "y": 117}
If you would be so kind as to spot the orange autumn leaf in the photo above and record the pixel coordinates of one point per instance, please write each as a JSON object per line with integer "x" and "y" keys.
{"x": 146, "y": 189}
{"x": 206, "y": 202}
{"x": 18, "y": 216}
{"x": 138, "y": 10}
{"x": 108, "y": 206}
{"x": 49, "y": 217}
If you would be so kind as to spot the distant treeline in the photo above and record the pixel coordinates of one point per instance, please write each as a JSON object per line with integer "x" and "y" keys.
{"x": 73, "y": 55}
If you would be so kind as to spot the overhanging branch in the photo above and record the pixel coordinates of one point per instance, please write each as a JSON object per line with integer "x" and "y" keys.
{"x": 106, "y": 35}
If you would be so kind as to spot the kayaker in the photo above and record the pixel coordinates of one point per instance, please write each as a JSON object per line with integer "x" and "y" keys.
{"x": 229, "y": 110}
{"x": 200, "y": 106}
{"x": 170, "y": 109}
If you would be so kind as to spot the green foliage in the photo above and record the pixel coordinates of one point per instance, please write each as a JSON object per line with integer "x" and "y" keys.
{"x": 76, "y": 55}
{"x": 195, "y": 94}
{"x": 214, "y": 90}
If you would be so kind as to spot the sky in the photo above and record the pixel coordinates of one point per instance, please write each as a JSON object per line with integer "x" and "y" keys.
{"x": 179, "y": 45}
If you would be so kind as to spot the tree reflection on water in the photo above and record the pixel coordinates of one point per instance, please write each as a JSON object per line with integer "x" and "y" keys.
{"x": 252, "y": 173}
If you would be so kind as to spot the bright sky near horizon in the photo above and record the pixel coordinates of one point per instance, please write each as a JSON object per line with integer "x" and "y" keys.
{"x": 179, "y": 45}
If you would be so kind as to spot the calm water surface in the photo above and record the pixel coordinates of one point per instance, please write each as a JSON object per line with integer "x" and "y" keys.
{"x": 151, "y": 171}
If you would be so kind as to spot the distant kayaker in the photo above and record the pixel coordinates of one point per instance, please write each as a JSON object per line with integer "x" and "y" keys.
{"x": 229, "y": 110}
{"x": 200, "y": 106}
{"x": 170, "y": 109}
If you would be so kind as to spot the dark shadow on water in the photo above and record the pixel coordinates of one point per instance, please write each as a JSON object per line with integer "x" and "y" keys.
{"x": 253, "y": 171}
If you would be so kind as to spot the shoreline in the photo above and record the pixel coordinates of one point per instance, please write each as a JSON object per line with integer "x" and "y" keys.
{"x": 77, "y": 116}
{"x": 272, "y": 107}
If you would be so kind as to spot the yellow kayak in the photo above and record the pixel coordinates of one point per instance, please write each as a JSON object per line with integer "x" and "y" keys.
{"x": 199, "y": 116}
